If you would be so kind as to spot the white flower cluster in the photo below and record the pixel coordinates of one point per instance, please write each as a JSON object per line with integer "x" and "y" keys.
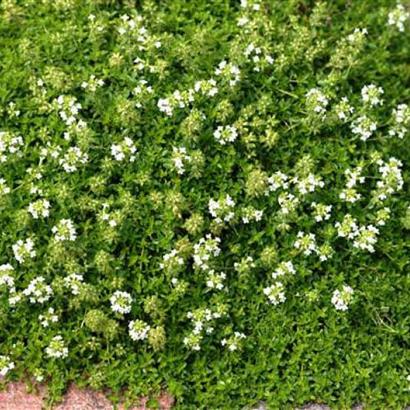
{"x": 179, "y": 158}
{"x": 365, "y": 238}
{"x": 138, "y": 329}
{"x": 287, "y": 202}
{"x": 229, "y": 72}
{"x": 371, "y": 95}
{"x": 92, "y": 84}
{"x": 39, "y": 208}
{"x": 24, "y": 250}
{"x": 68, "y": 108}
{"x": 398, "y": 17}
{"x": 202, "y": 320}
{"x": 221, "y": 210}
{"x": 306, "y": 243}
{"x": 321, "y": 212}
{"x": 172, "y": 261}
{"x": 6, "y": 278}
{"x": 123, "y": 150}
{"x": 349, "y": 193}
{"x": 107, "y": 216}
{"x": 316, "y": 101}
{"x": 343, "y": 109}
{"x": 182, "y": 99}
{"x": 9, "y": 144}
{"x": 275, "y": 293}
{"x": 276, "y": 181}
{"x": 308, "y": 183}
{"x": 72, "y": 159}
{"x": 342, "y": 298}
{"x": 364, "y": 127}
{"x": 347, "y": 228}
{"x": 5, "y": 365}
{"x": 204, "y": 250}
{"x": 259, "y": 59}
{"x": 284, "y": 269}
{"x": 142, "y": 91}
{"x": 121, "y": 302}
{"x": 38, "y": 291}
{"x": 225, "y": 134}
{"x": 234, "y": 342}
{"x": 64, "y": 231}
{"x": 249, "y": 213}
{"x": 57, "y": 348}
{"x": 391, "y": 178}
{"x": 48, "y": 317}
{"x": 215, "y": 280}
{"x": 74, "y": 282}
{"x": 4, "y": 189}
{"x": 401, "y": 121}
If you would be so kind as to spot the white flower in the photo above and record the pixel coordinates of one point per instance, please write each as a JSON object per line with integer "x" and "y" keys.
{"x": 316, "y": 101}
{"x": 92, "y": 84}
{"x": 64, "y": 231}
{"x": 4, "y": 189}
{"x": 371, "y": 95}
{"x": 276, "y": 181}
{"x": 391, "y": 178}
{"x": 38, "y": 291}
{"x": 9, "y": 144}
{"x": 347, "y": 228}
{"x": 56, "y": 348}
{"x": 121, "y": 302}
{"x": 225, "y": 134}
{"x": 74, "y": 282}
{"x": 138, "y": 330}
{"x": 284, "y": 268}
{"x": 72, "y": 158}
{"x": 222, "y": 210}
{"x": 123, "y": 150}
{"x": 401, "y": 121}
{"x": 306, "y": 242}
{"x": 234, "y": 342}
{"x": 215, "y": 280}
{"x": 48, "y": 317}
{"x": 344, "y": 109}
{"x": 366, "y": 237}
{"x": 5, "y": 365}
{"x": 398, "y": 17}
{"x": 228, "y": 71}
{"x": 287, "y": 202}
{"x": 179, "y": 158}
{"x": 342, "y": 298}
{"x": 364, "y": 127}
{"x": 24, "y": 250}
{"x": 39, "y": 208}
{"x": 204, "y": 250}
{"x": 6, "y": 270}
{"x": 275, "y": 293}
{"x": 308, "y": 183}
{"x": 321, "y": 212}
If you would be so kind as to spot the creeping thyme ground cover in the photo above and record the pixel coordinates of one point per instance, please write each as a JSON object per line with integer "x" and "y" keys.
{"x": 208, "y": 198}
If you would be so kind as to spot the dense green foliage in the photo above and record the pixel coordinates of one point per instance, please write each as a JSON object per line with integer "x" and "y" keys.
{"x": 229, "y": 232}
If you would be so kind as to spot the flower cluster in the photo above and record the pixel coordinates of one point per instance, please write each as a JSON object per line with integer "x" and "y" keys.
{"x": 221, "y": 210}
{"x": 24, "y": 250}
{"x": 138, "y": 329}
{"x": 225, "y": 134}
{"x": 57, "y": 348}
{"x": 38, "y": 291}
{"x": 342, "y": 298}
{"x": 124, "y": 150}
{"x": 121, "y": 302}
{"x": 64, "y": 231}
{"x": 398, "y": 17}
